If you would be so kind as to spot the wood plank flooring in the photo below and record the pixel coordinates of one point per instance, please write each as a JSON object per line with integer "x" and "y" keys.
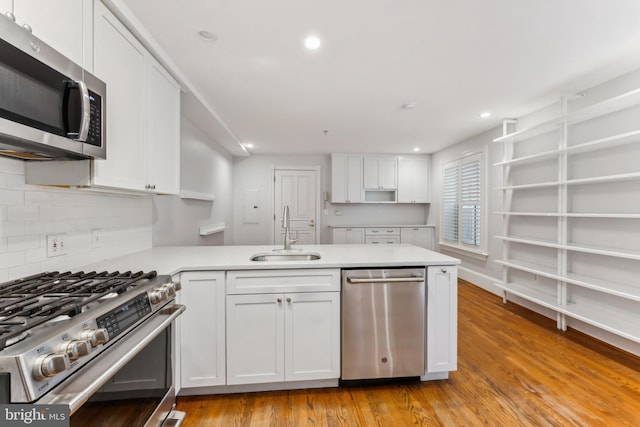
{"x": 514, "y": 369}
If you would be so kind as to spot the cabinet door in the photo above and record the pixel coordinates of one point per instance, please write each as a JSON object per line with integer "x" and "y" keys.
{"x": 346, "y": 178}
{"x": 370, "y": 173}
{"x": 120, "y": 62}
{"x": 387, "y": 174}
{"x": 442, "y": 319}
{"x": 255, "y": 338}
{"x": 348, "y": 235}
{"x": 413, "y": 180}
{"x": 312, "y": 336}
{"x": 354, "y": 179}
{"x": 355, "y": 235}
{"x": 202, "y": 329}
{"x": 339, "y": 236}
{"x": 59, "y": 23}
{"x": 338, "y": 178}
{"x": 419, "y": 236}
{"x": 380, "y": 173}
{"x": 163, "y": 149}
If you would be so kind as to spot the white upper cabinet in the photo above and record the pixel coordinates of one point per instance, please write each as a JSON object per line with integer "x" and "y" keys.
{"x": 44, "y": 17}
{"x": 143, "y": 112}
{"x": 163, "y": 142}
{"x": 380, "y": 172}
{"x": 120, "y": 62}
{"x": 346, "y": 178}
{"x": 413, "y": 180}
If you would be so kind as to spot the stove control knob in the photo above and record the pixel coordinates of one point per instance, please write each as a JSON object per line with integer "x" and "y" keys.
{"x": 158, "y": 295}
{"x": 172, "y": 288}
{"x": 50, "y": 365}
{"x": 76, "y": 349}
{"x": 96, "y": 336}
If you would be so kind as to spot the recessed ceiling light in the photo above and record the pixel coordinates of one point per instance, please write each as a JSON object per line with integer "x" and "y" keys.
{"x": 409, "y": 106}
{"x": 485, "y": 115}
{"x": 312, "y": 42}
{"x": 416, "y": 149}
{"x": 207, "y": 36}
{"x": 248, "y": 145}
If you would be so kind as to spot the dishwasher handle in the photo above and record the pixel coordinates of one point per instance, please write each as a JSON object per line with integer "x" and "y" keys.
{"x": 387, "y": 280}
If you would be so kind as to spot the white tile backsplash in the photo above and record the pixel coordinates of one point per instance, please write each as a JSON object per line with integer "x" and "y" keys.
{"x": 29, "y": 213}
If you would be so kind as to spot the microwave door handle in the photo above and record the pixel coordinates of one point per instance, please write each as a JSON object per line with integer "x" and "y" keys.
{"x": 85, "y": 118}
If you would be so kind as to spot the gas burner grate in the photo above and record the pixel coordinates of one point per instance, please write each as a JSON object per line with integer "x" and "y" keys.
{"x": 34, "y": 300}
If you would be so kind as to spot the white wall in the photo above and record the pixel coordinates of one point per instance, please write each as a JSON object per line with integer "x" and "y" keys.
{"x": 28, "y": 213}
{"x": 205, "y": 168}
{"x": 255, "y": 173}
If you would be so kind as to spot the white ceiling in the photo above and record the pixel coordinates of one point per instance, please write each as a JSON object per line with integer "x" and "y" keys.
{"x": 453, "y": 58}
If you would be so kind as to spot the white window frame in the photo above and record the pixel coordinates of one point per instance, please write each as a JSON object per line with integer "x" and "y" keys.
{"x": 458, "y": 246}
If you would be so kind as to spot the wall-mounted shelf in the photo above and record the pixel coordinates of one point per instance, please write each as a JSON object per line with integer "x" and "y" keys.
{"x": 598, "y": 144}
{"x": 196, "y": 195}
{"x": 573, "y": 215}
{"x": 579, "y": 181}
{"x": 605, "y": 286}
{"x": 593, "y": 284}
{"x": 206, "y": 230}
{"x": 611, "y": 105}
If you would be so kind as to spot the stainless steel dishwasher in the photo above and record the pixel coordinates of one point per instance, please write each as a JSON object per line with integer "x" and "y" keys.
{"x": 383, "y": 323}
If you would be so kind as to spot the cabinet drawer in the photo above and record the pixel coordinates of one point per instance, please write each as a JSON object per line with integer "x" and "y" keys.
{"x": 276, "y": 281}
{"x": 382, "y": 231}
{"x": 382, "y": 240}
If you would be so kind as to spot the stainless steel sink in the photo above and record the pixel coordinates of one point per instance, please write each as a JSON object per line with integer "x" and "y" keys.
{"x": 300, "y": 256}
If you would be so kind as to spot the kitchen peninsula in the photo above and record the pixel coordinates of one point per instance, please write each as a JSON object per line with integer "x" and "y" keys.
{"x": 275, "y": 324}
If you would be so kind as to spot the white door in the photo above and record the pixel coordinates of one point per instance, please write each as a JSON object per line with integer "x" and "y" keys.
{"x": 298, "y": 190}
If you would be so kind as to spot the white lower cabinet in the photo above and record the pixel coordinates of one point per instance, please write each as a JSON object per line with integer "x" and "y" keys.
{"x": 442, "y": 319}
{"x": 343, "y": 236}
{"x": 201, "y": 329}
{"x": 418, "y": 236}
{"x": 275, "y": 337}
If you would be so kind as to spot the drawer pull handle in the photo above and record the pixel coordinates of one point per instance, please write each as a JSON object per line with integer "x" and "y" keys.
{"x": 279, "y": 300}
{"x": 444, "y": 270}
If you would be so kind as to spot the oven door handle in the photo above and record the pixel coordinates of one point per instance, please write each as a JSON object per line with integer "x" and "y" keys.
{"x": 98, "y": 372}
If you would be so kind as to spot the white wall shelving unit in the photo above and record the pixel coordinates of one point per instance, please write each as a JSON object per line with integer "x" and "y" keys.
{"x": 571, "y": 205}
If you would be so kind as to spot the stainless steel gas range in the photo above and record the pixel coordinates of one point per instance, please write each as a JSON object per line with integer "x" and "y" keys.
{"x": 101, "y": 343}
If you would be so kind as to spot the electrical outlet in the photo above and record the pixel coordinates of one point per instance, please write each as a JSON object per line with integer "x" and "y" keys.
{"x": 56, "y": 245}
{"x": 96, "y": 238}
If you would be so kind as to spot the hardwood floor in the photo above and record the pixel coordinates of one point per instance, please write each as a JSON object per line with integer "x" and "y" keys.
{"x": 514, "y": 369}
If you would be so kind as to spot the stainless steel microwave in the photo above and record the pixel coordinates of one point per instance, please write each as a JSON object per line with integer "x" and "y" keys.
{"x": 50, "y": 108}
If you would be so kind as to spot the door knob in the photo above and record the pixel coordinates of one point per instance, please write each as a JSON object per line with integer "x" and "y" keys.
{"x": 312, "y": 223}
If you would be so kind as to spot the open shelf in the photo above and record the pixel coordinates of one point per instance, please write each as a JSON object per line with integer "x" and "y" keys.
{"x": 530, "y": 294}
{"x": 617, "y": 103}
{"x": 579, "y": 181}
{"x": 572, "y": 215}
{"x": 610, "y": 306}
{"x": 606, "y": 319}
{"x": 612, "y": 288}
{"x": 590, "y": 249}
{"x": 598, "y": 144}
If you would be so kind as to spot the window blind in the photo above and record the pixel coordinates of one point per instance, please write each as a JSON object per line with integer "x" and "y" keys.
{"x": 462, "y": 210}
{"x": 450, "y": 203}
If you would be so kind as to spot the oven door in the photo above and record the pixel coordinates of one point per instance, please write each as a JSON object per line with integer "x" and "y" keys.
{"x": 129, "y": 384}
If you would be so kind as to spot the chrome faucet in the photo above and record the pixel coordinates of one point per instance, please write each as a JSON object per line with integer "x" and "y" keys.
{"x": 286, "y": 224}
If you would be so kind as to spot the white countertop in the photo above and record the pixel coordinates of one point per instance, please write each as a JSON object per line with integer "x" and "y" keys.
{"x": 383, "y": 226}
{"x": 173, "y": 259}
